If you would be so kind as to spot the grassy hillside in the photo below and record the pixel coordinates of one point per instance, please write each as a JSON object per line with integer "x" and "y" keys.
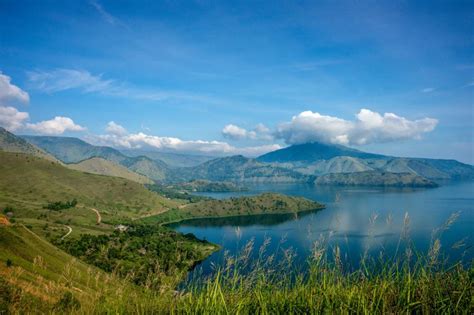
{"x": 104, "y": 167}
{"x": 11, "y": 143}
{"x": 29, "y": 183}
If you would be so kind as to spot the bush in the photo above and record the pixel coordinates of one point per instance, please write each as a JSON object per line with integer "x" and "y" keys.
{"x": 67, "y": 302}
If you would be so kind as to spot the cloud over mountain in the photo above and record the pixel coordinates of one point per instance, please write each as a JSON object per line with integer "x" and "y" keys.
{"x": 55, "y": 126}
{"x": 117, "y": 136}
{"x": 368, "y": 127}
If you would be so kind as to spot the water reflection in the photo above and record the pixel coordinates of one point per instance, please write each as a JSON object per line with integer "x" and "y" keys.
{"x": 367, "y": 221}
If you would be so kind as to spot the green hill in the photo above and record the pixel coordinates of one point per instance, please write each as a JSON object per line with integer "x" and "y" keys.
{"x": 104, "y": 167}
{"x": 11, "y": 143}
{"x": 29, "y": 183}
{"x": 266, "y": 203}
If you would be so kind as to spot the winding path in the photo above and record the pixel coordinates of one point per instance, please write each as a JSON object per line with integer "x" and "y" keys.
{"x": 99, "y": 217}
{"x": 69, "y": 232}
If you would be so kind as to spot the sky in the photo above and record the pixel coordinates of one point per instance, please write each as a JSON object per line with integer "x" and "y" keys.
{"x": 242, "y": 77}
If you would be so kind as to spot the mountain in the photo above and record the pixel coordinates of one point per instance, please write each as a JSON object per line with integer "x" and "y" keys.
{"x": 11, "y": 143}
{"x": 237, "y": 169}
{"x": 101, "y": 166}
{"x": 154, "y": 169}
{"x": 375, "y": 178}
{"x": 73, "y": 150}
{"x": 173, "y": 160}
{"x": 314, "y": 151}
{"x": 320, "y": 159}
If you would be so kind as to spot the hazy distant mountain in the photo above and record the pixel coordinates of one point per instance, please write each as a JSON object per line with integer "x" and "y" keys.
{"x": 320, "y": 159}
{"x": 171, "y": 159}
{"x": 310, "y": 152}
{"x": 238, "y": 169}
{"x": 375, "y": 178}
{"x": 12, "y": 143}
{"x": 73, "y": 150}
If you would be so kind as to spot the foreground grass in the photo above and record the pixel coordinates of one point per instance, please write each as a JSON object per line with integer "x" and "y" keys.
{"x": 266, "y": 285}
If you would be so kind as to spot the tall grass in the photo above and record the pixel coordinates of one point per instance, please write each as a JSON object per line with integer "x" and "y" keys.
{"x": 408, "y": 281}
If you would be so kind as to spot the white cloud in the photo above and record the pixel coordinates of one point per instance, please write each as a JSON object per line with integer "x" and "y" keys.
{"x": 115, "y": 129}
{"x": 12, "y": 119}
{"x": 428, "y": 90}
{"x": 260, "y": 132}
{"x": 368, "y": 127}
{"x": 11, "y": 92}
{"x": 55, "y": 126}
{"x": 142, "y": 140}
{"x": 66, "y": 79}
{"x": 234, "y": 132}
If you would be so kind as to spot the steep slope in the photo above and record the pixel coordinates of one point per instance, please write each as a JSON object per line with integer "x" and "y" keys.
{"x": 237, "y": 169}
{"x": 310, "y": 152}
{"x": 42, "y": 274}
{"x": 173, "y": 160}
{"x": 11, "y": 143}
{"x": 101, "y": 166}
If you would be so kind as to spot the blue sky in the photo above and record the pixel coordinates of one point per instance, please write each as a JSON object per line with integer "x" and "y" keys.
{"x": 242, "y": 77}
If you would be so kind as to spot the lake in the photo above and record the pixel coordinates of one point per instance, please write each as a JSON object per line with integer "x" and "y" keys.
{"x": 358, "y": 220}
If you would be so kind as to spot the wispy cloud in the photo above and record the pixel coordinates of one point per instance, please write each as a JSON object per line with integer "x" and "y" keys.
{"x": 109, "y": 18}
{"x": 67, "y": 79}
{"x": 428, "y": 90}
{"x": 59, "y": 80}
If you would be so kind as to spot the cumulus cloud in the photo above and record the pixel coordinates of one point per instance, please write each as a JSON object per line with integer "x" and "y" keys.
{"x": 115, "y": 129}
{"x": 142, "y": 140}
{"x": 260, "y": 132}
{"x": 11, "y": 92}
{"x": 12, "y": 119}
{"x": 66, "y": 79}
{"x": 368, "y": 127}
{"x": 55, "y": 126}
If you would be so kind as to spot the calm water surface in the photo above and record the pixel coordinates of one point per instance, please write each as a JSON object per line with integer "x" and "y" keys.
{"x": 358, "y": 220}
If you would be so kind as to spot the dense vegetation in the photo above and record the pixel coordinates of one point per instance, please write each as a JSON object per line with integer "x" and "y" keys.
{"x": 60, "y": 205}
{"x": 267, "y": 203}
{"x": 147, "y": 255}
